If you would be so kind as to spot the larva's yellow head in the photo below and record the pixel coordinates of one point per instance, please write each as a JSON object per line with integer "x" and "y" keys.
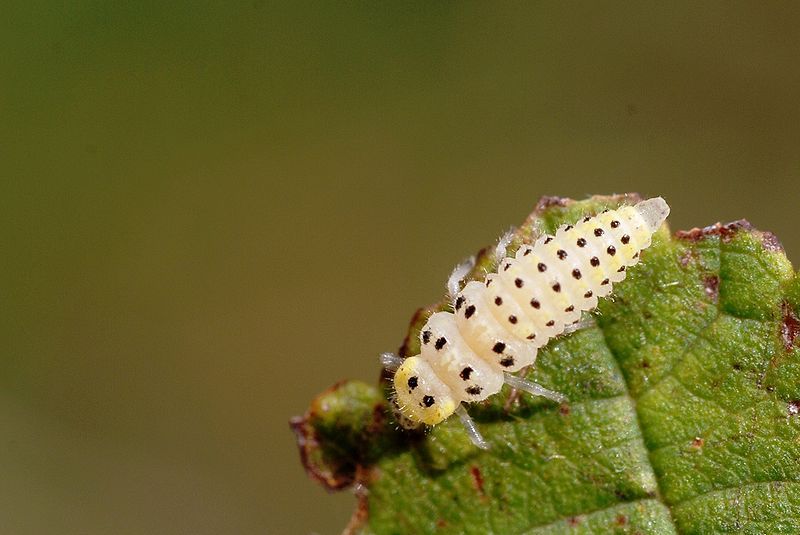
{"x": 420, "y": 395}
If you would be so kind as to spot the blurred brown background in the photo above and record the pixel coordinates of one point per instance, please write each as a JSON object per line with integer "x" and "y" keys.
{"x": 210, "y": 214}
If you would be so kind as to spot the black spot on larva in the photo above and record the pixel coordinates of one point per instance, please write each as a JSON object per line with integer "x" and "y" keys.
{"x": 469, "y": 311}
{"x": 527, "y": 251}
{"x": 531, "y": 336}
{"x": 473, "y": 390}
{"x": 412, "y": 382}
{"x": 562, "y": 254}
{"x": 548, "y": 239}
{"x": 621, "y": 269}
{"x": 556, "y": 287}
{"x": 576, "y": 273}
{"x": 541, "y": 267}
{"x": 465, "y": 373}
{"x": 604, "y": 211}
{"x": 598, "y": 232}
{"x": 488, "y": 282}
{"x": 581, "y": 242}
{"x": 614, "y": 224}
{"x": 588, "y": 294}
{"x": 519, "y": 283}
{"x": 586, "y": 219}
{"x": 498, "y": 300}
{"x": 636, "y": 255}
{"x": 605, "y": 281}
{"x": 440, "y": 343}
{"x": 625, "y": 239}
{"x": 594, "y": 261}
{"x": 535, "y": 303}
{"x": 499, "y": 347}
{"x": 512, "y": 319}
{"x": 611, "y": 250}
{"x": 550, "y": 323}
{"x": 428, "y": 401}
{"x": 426, "y": 337}
{"x": 459, "y": 302}
{"x": 569, "y": 308}
{"x": 507, "y": 362}
{"x": 567, "y": 228}
{"x": 505, "y": 268}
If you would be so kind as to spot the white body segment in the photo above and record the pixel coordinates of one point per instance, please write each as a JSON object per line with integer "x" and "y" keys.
{"x": 498, "y": 325}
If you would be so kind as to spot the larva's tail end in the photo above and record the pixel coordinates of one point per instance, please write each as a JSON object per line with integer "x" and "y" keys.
{"x": 654, "y": 211}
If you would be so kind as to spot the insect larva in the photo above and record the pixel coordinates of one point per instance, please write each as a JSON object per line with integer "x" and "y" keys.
{"x": 498, "y": 325}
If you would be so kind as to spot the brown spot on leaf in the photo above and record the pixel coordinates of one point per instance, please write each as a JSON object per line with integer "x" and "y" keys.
{"x": 686, "y": 257}
{"x": 573, "y": 521}
{"x": 771, "y": 242}
{"x": 711, "y": 285}
{"x": 621, "y": 494}
{"x": 790, "y": 326}
{"x": 621, "y": 520}
{"x": 645, "y": 364}
{"x": 477, "y": 478}
{"x": 725, "y": 232}
{"x": 698, "y": 442}
{"x": 564, "y": 409}
{"x": 550, "y": 201}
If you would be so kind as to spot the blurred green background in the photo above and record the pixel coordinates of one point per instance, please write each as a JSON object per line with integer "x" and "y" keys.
{"x": 212, "y": 213}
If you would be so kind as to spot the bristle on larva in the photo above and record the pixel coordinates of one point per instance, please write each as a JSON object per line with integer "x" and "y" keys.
{"x": 498, "y": 325}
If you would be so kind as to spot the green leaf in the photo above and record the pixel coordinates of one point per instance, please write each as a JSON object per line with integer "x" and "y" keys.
{"x": 684, "y": 411}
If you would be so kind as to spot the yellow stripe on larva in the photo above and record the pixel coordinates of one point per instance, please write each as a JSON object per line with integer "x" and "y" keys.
{"x": 497, "y": 325}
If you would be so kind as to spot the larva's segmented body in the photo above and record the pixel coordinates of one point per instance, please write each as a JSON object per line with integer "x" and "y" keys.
{"x": 498, "y": 325}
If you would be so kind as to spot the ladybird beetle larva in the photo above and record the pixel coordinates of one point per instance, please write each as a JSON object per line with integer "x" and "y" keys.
{"x": 496, "y": 326}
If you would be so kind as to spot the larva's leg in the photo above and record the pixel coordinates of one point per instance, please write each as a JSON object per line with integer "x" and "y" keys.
{"x": 390, "y": 361}
{"x": 359, "y": 489}
{"x": 472, "y": 430}
{"x": 532, "y": 388}
{"x": 457, "y": 276}
{"x": 514, "y": 395}
{"x": 588, "y": 321}
{"x": 583, "y": 323}
{"x": 502, "y": 245}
